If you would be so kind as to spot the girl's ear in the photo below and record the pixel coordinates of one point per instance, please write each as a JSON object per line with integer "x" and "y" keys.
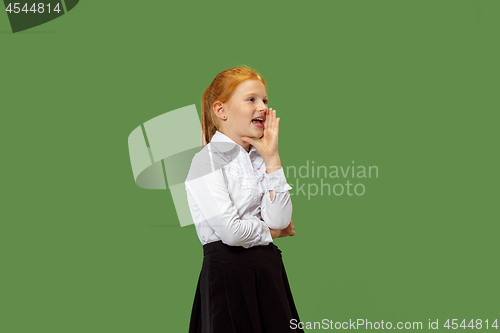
{"x": 219, "y": 110}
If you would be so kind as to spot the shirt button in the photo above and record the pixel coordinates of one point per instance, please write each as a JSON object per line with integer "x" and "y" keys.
{"x": 254, "y": 198}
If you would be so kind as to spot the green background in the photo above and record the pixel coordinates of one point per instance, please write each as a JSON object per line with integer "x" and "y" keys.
{"x": 408, "y": 86}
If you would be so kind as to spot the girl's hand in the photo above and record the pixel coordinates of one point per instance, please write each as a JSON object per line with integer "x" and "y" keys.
{"x": 288, "y": 231}
{"x": 267, "y": 145}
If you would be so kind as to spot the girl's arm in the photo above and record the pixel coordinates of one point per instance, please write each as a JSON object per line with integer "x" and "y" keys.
{"x": 276, "y": 204}
{"x": 272, "y": 164}
{"x": 210, "y": 196}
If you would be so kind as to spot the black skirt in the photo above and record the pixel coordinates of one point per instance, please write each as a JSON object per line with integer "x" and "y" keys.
{"x": 242, "y": 291}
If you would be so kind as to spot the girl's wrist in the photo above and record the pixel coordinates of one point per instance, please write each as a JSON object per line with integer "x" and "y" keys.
{"x": 272, "y": 163}
{"x": 275, "y": 233}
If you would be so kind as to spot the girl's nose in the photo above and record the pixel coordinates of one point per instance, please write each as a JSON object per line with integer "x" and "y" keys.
{"x": 263, "y": 107}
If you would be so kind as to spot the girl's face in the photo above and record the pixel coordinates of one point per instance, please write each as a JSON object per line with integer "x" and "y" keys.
{"x": 248, "y": 102}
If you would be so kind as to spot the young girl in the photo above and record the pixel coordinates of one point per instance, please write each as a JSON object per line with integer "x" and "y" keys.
{"x": 239, "y": 200}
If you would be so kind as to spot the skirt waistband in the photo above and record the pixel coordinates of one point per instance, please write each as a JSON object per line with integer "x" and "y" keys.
{"x": 220, "y": 246}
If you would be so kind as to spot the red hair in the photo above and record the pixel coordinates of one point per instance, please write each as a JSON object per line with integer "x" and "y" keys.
{"x": 220, "y": 90}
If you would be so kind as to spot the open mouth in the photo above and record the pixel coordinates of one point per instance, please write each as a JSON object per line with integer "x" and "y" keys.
{"x": 258, "y": 122}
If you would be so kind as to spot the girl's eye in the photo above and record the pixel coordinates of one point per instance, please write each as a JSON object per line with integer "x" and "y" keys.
{"x": 251, "y": 99}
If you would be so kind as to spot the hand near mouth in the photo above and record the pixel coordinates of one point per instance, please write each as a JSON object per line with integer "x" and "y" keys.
{"x": 267, "y": 145}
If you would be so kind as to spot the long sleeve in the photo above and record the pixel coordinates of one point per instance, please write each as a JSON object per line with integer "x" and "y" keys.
{"x": 210, "y": 203}
{"x": 277, "y": 213}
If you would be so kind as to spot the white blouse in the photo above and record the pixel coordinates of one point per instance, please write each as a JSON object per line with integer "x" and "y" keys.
{"x": 228, "y": 195}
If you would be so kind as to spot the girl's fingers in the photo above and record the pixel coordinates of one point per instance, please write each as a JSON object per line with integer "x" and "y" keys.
{"x": 271, "y": 121}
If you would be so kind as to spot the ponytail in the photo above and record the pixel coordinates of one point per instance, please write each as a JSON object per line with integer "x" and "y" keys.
{"x": 208, "y": 123}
